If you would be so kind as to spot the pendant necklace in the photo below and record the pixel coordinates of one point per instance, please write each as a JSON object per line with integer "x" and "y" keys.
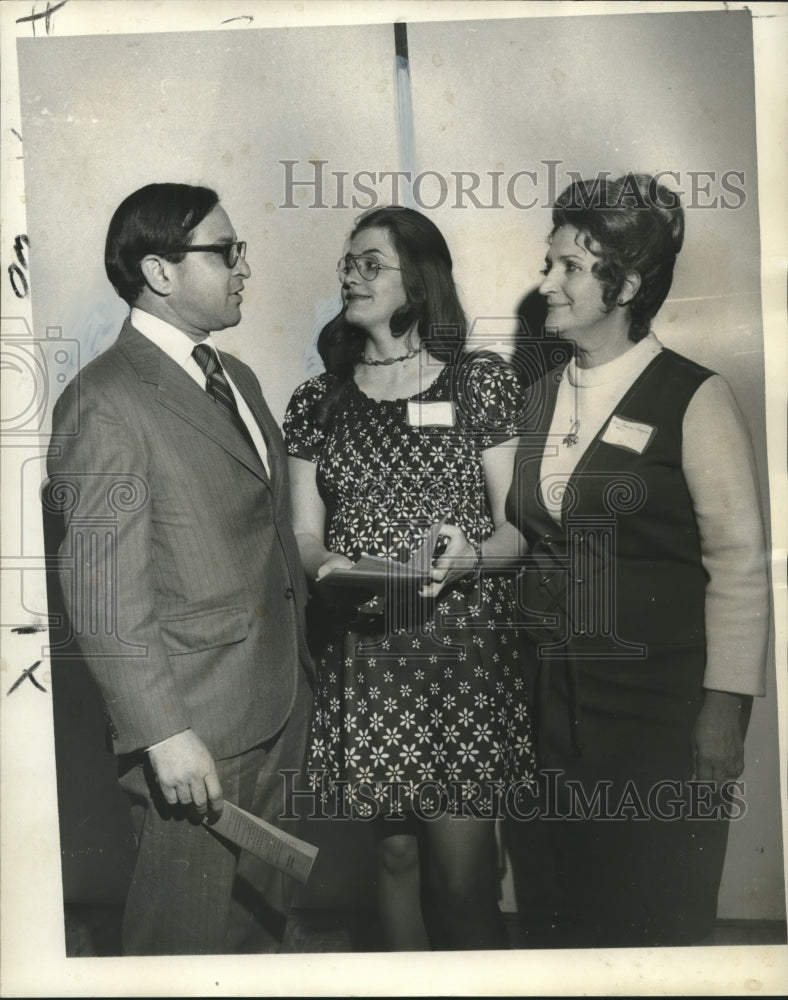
{"x": 570, "y": 440}
{"x": 571, "y": 437}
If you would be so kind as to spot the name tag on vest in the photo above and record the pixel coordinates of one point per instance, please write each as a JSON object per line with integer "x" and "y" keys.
{"x": 430, "y": 414}
{"x": 628, "y": 434}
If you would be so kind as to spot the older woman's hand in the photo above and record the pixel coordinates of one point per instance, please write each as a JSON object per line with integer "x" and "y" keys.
{"x": 718, "y": 737}
{"x": 457, "y": 560}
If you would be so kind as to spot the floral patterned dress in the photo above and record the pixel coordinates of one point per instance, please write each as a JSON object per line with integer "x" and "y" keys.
{"x": 427, "y": 712}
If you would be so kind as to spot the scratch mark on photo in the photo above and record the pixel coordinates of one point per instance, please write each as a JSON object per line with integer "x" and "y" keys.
{"x": 29, "y": 674}
{"x": 46, "y": 14}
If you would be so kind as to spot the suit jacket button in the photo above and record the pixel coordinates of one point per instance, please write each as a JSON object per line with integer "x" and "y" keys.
{"x": 289, "y": 593}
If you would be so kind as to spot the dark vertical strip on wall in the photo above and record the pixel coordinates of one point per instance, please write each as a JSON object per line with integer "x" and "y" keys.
{"x": 404, "y": 108}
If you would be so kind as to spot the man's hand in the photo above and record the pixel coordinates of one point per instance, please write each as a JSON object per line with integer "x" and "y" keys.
{"x": 718, "y": 737}
{"x": 186, "y": 773}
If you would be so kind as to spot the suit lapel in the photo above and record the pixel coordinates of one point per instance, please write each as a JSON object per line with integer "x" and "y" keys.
{"x": 249, "y": 387}
{"x": 181, "y": 394}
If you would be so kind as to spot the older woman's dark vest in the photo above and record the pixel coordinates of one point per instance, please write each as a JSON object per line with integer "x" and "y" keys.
{"x": 617, "y": 589}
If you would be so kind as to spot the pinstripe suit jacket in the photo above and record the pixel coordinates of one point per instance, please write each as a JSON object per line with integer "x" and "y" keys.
{"x": 177, "y": 560}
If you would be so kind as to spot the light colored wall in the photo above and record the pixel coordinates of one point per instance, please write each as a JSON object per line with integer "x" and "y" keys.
{"x": 104, "y": 115}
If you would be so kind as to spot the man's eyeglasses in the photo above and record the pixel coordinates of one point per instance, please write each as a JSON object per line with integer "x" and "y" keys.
{"x": 230, "y": 251}
{"x": 367, "y": 267}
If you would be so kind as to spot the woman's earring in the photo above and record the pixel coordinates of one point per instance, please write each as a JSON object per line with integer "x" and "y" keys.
{"x": 621, "y": 302}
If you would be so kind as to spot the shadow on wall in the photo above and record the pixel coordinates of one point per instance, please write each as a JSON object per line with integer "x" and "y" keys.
{"x": 96, "y": 839}
{"x": 536, "y": 351}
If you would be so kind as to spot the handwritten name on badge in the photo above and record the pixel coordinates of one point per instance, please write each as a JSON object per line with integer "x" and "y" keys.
{"x": 629, "y": 434}
{"x": 430, "y": 414}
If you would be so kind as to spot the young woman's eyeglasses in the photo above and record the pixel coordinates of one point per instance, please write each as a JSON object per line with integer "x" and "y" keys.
{"x": 230, "y": 251}
{"x": 367, "y": 267}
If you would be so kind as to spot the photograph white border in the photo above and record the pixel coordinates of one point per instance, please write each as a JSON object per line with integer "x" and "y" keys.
{"x": 31, "y": 920}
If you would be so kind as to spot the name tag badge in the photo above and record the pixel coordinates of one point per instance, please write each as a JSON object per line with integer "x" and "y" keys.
{"x": 430, "y": 414}
{"x": 628, "y": 434}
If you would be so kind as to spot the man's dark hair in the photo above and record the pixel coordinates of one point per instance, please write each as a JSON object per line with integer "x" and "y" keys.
{"x": 158, "y": 218}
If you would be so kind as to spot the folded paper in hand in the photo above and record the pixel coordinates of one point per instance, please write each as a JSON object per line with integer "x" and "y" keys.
{"x": 373, "y": 576}
{"x": 285, "y": 852}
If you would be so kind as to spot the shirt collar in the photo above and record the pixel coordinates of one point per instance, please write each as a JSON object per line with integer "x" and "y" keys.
{"x": 164, "y": 335}
{"x": 633, "y": 360}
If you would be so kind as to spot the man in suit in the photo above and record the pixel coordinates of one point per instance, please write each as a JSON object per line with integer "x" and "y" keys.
{"x": 181, "y": 576}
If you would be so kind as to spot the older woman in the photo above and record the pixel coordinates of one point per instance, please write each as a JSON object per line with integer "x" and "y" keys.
{"x": 645, "y": 595}
{"x": 420, "y": 712}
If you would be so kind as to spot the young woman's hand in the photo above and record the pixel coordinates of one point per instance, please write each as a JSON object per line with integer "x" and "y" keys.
{"x": 334, "y": 561}
{"x": 457, "y": 560}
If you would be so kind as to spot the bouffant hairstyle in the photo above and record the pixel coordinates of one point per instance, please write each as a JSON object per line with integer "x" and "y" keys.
{"x": 631, "y": 224}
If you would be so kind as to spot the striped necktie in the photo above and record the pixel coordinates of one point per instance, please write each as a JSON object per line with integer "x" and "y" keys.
{"x": 217, "y": 386}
